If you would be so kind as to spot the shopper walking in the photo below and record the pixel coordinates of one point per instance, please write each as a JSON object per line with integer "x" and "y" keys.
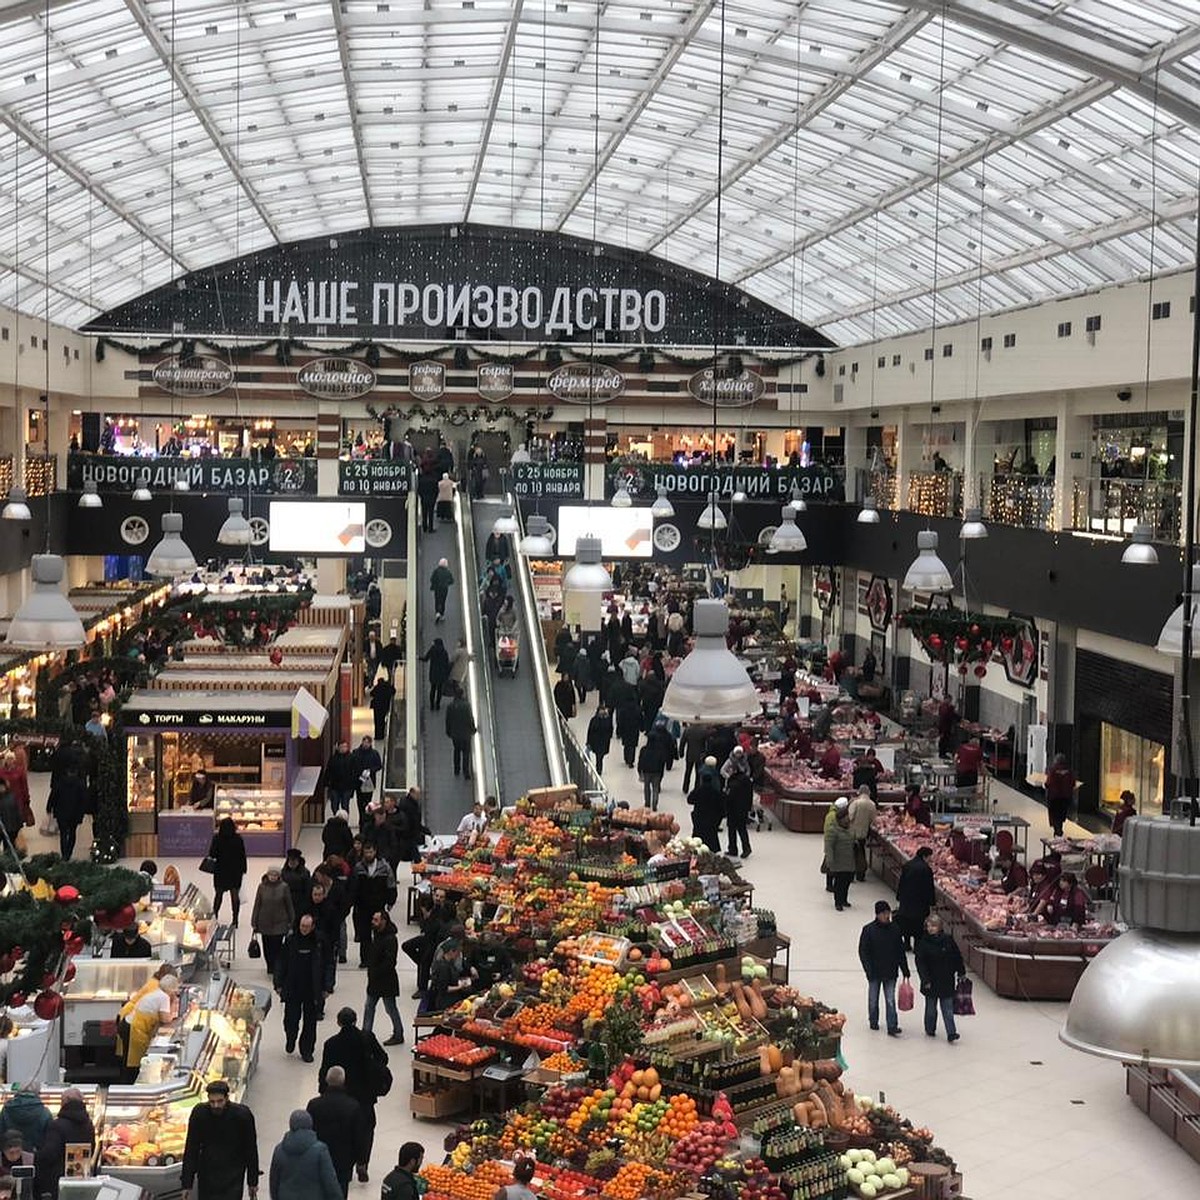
{"x": 337, "y": 1121}
{"x": 401, "y": 1183}
{"x": 300, "y": 981}
{"x": 367, "y": 765}
{"x": 24, "y": 1113}
{"x": 695, "y": 738}
{"x": 739, "y": 800}
{"x": 1060, "y": 791}
{"x": 383, "y": 696}
{"x": 220, "y": 1155}
{"x": 273, "y": 915}
{"x": 364, "y": 1060}
{"x": 519, "y": 1189}
{"x": 599, "y": 734}
{"x": 295, "y": 875}
{"x": 427, "y": 494}
{"x": 439, "y": 671}
{"x": 72, "y": 1127}
{"x": 564, "y": 697}
{"x": 340, "y": 780}
{"x": 228, "y": 854}
{"x": 940, "y": 967}
{"x": 440, "y": 582}
{"x": 652, "y": 761}
{"x": 301, "y": 1168}
{"x": 839, "y": 853}
{"x": 863, "y": 811}
{"x": 383, "y": 983}
{"x": 914, "y": 896}
{"x": 326, "y": 921}
{"x": 67, "y": 804}
{"x": 372, "y": 889}
{"x": 460, "y": 729}
{"x": 629, "y": 725}
{"x": 881, "y": 952}
{"x": 708, "y": 805}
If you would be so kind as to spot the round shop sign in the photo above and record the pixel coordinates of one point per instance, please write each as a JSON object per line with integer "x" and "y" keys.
{"x": 586, "y": 383}
{"x": 260, "y": 531}
{"x": 494, "y": 381}
{"x": 197, "y": 375}
{"x": 725, "y": 390}
{"x": 336, "y": 378}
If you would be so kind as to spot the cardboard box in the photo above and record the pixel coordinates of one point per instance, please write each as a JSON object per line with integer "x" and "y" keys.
{"x": 440, "y": 1103}
{"x": 546, "y": 798}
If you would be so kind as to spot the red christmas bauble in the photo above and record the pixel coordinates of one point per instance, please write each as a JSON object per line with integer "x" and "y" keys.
{"x": 935, "y": 642}
{"x": 961, "y": 643}
{"x": 16, "y": 1000}
{"x": 988, "y": 647}
{"x": 1006, "y": 644}
{"x": 49, "y": 979}
{"x": 980, "y": 671}
{"x": 962, "y": 668}
{"x": 974, "y": 630}
{"x": 69, "y": 973}
{"x": 276, "y": 656}
{"x": 103, "y": 918}
{"x": 123, "y": 917}
{"x": 67, "y": 894}
{"x": 7, "y": 962}
{"x": 73, "y": 945}
{"x": 48, "y": 1005}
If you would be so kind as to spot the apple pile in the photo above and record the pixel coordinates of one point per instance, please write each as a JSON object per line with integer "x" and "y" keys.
{"x": 700, "y": 1149}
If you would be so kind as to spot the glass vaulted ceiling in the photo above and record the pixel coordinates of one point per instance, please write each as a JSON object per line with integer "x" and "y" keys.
{"x": 1013, "y": 148}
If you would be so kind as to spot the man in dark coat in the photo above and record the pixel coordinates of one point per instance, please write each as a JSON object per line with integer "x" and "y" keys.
{"x": 881, "y": 952}
{"x": 72, "y": 1126}
{"x": 372, "y": 889}
{"x": 708, "y": 805}
{"x": 360, "y": 1055}
{"x": 695, "y": 738}
{"x": 914, "y": 895}
{"x": 381, "y": 833}
{"x": 300, "y": 982}
{"x": 220, "y": 1156}
{"x": 367, "y": 764}
{"x": 68, "y": 803}
{"x": 599, "y": 735}
{"x": 340, "y": 780}
{"x": 338, "y": 1122}
{"x": 440, "y": 582}
{"x": 460, "y": 728}
{"x": 383, "y": 983}
{"x": 327, "y": 920}
{"x": 438, "y": 658}
{"x": 628, "y": 715}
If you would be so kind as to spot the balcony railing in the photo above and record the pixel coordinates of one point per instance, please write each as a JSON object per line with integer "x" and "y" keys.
{"x": 1115, "y": 506}
{"x": 1023, "y": 500}
{"x": 935, "y": 493}
{"x": 39, "y": 474}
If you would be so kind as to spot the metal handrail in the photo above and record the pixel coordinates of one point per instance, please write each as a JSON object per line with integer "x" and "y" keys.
{"x": 580, "y": 768}
{"x": 412, "y": 652}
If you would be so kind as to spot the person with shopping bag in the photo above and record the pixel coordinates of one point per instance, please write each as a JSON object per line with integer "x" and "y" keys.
{"x": 940, "y": 967}
{"x": 881, "y": 952}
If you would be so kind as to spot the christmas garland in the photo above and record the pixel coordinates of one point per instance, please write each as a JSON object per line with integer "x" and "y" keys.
{"x": 44, "y": 924}
{"x": 953, "y": 637}
{"x": 251, "y": 621}
{"x": 460, "y": 415}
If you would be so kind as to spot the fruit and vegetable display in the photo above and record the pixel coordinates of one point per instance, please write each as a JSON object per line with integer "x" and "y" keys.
{"x": 454, "y": 1050}
{"x": 969, "y": 888}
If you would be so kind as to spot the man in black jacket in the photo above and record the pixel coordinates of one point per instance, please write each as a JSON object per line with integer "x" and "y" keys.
{"x": 72, "y": 1126}
{"x": 401, "y": 1183}
{"x": 220, "y": 1156}
{"x": 300, "y": 980}
{"x": 327, "y": 920}
{"x": 340, "y": 780}
{"x": 338, "y": 1122}
{"x": 383, "y": 983}
{"x": 914, "y": 896}
{"x": 362, "y": 1057}
{"x": 628, "y": 714}
{"x": 460, "y": 728}
{"x": 881, "y": 952}
{"x": 372, "y": 889}
{"x": 367, "y": 764}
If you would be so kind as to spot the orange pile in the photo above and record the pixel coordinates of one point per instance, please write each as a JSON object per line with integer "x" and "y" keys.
{"x": 681, "y": 1117}
{"x": 479, "y": 1185}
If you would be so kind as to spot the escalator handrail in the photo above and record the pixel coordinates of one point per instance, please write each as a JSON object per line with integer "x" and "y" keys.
{"x": 412, "y": 651}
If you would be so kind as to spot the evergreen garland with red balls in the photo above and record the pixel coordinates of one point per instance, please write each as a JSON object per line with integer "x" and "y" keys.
{"x": 250, "y": 621}
{"x": 39, "y": 934}
{"x": 961, "y": 639}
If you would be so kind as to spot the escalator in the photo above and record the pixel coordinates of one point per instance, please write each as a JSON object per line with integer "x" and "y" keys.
{"x": 527, "y": 746}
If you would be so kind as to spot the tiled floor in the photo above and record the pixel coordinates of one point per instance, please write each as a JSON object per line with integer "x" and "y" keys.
{"x": 1047, "y": 1131}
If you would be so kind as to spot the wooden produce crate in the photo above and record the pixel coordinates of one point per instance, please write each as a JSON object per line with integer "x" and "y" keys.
{"x": 442, "y": 1102}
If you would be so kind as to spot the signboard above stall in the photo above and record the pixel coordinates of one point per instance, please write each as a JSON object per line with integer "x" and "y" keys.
{"x": 561, "y": 479}
{"x": 374, "y": 477}
{"x": 817, "y": 482}
{"x": 123, "y": 473}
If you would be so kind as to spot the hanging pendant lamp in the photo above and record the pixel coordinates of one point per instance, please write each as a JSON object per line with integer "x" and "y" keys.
{"x": 537, "y": 537}
{"x": 788, "y": 537}
{"x": 711, "y": 517}
{"x": 587, "y": 573}
{"x": 46, "y": 620}
{"x": 90, "y": 497}
{"x": 171, "y": 556}
{"x": 710, "y": 685}
{"x": 621, "y": 497}
{"x": 506, "y": 523}
{"x": 869, "y": 513}
{"x": 142, "y": 494}
{"x": 662, "y": 506}
{"x": 182, "y": 485}
{"x": 1170, "y": 639}
{"x": 797, "y": 503}
{"x": 17, "y": 508}
{"x": 973, "y": 526}
{"x": 739, "y": 497}
{"x": 928, "y": 573}
{"x": 1140, "y": 552}
{"x": 236, "y": 530}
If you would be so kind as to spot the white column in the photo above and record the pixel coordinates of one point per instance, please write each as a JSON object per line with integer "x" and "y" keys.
{"x": 1071, "y": 439}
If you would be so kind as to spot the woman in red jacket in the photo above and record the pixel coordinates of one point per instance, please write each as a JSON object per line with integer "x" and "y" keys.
{"x": 1128, "y": 809}
{"x": 1067, "y": 902}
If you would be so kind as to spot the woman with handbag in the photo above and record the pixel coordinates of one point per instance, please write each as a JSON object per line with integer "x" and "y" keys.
{"x": 272, "y": 917}
{"x": 940, "y": 966}
{"x": 226, "y": 862}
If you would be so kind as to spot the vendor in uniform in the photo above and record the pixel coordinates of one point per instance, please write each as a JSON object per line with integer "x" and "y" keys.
{"x": 129, "y": 943}
{"x": 1013, "y": 876}
{"x": 137, "y": 1027}
{"x": 1066, "y": 902}
{"x": 202, "y": 790}
{"x": 966, "y": 763}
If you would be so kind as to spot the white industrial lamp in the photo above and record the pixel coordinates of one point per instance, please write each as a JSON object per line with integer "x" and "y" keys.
{"x": 236, "y": 530}
{"x": 740, "y": 497}
{"x": 1170, "y": 639}
{"x": 928, "y": 573}
{"x": 1140, "y": 552}
{"x": 141, "y": 494}
{"x": 587, "y": 573}
{"x": 621, "y": 497}
{"x": 90, "y": 497}
{"x": 710, "y": 685}
{"x": 171, "y": 556}
{"x": 788, "y": 537}
{"x": 506, "y": 523}
{"x": 711, "y": 516}
{"x": 17, "y": 508}
{"x": 537, "y": 537}
{"x": 973, "y": 526}
{"x": 662, "y": 506}
{"x": 182, "y": 485}
{"x": 869, "y": 513}
{"x": 46, "y": 620}
{"x": 797, "y": 503}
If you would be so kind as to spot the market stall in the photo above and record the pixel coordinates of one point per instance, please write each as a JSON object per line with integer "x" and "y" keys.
{"x": 241, "y": 740}
{"x": 1014, "y": 953}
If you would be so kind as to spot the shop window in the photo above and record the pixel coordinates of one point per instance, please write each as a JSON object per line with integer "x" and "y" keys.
{"x": 985, "y": 344}
{"x": 1160, "y": 310}
{"x": 1130, "y": 763}
{"x": 948, "y": 350}
{"x": 881, "y": 361}
{"x": 4, "y": 334}
{"x": 842, "y": 369}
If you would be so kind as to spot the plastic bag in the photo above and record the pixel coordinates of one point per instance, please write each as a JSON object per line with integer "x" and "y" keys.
{"x": 904, "y": 997}
{"x": 964, "y": 1005}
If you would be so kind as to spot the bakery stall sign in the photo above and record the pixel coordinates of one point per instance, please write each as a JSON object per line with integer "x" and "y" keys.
{"x": 585, "y": 383}
{"x": 494, "y": 381}
{"x": 194, "y": 376}
{"x": 336, "y": 379}
{"x": 725, "y": 390}
{"x": 218, "y": 718}
{"x": 426, "y": 380}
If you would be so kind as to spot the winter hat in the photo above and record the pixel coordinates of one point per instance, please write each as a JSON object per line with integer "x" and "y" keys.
{"x": 882, "y": 906}
{"x": 710, "y": 760}
{"x": 300, "y": 1120}
{"x": 841, "y": 803}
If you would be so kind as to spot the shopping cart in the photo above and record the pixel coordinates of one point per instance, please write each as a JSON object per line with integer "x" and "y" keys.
{"x": 508, "y": 653}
